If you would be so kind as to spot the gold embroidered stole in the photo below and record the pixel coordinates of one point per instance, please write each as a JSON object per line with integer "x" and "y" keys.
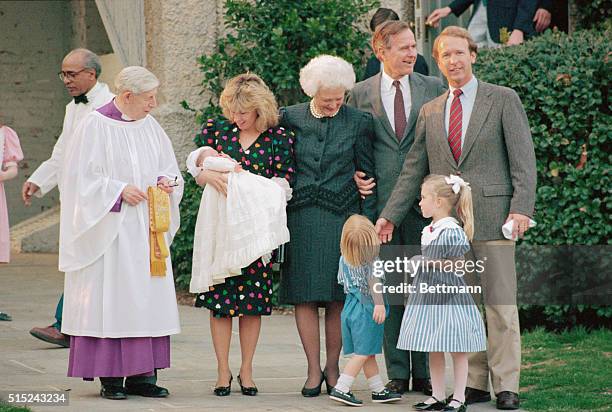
{"x": 159, "y": 223}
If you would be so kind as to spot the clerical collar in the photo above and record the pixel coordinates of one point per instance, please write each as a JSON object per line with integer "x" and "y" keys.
{"x": 317, "y": 114}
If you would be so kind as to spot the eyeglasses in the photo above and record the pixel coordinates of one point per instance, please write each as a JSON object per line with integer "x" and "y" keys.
{"x": 70, "y": 75}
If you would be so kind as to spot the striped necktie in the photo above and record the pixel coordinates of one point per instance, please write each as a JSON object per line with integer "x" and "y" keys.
{"x": 455, "y": 125}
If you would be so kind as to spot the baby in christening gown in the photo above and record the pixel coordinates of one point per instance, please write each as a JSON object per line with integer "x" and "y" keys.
{"x": 232, "y": 232}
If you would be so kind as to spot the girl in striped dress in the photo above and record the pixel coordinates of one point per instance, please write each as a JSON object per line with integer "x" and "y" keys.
{"x": 441, "y": 315}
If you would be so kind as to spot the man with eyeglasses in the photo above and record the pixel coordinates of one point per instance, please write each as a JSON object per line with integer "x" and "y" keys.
{"x": 80, "y": 71}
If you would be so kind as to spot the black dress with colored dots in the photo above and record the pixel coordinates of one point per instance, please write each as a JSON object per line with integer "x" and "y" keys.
{"x": 271, "y": 155}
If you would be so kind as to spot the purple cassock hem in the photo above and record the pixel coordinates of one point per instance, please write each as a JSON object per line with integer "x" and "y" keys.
{"x": 117, "y": 357}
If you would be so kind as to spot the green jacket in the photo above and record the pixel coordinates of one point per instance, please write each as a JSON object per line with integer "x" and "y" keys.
{"x": 328, "y": 151}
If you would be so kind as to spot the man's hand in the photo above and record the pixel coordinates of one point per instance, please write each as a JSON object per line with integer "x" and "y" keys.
{"x": 438, "y": 14}
{"x": 27, "y": 191}
{"x": 542, "y": 19}
{"x": 384, "y": 229}
{"x": 165, "y": 184}
{"x": 379, "y": 314}
{"x": 133, "y": 195}
{"x": 516, "y": 38}
{"x": 218, "y": 180}
{"x": 520, "y": 226}
{"x": 365, "y": 186}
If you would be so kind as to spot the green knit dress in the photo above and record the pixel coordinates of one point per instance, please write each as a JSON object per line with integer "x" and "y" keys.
{"x": 328, "y": 152}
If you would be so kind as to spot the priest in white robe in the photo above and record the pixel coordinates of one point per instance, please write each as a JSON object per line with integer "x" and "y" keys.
{"x": 119, "y": 316}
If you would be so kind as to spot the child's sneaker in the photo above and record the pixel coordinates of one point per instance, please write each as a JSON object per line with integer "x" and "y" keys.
{"x": 385, "y": 396}
{"x": 344, "y": 397}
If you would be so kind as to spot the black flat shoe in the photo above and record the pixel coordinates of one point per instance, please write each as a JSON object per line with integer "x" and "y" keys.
{"x": 147, "y": 390}
{"x": 316, "y": 391}
{"x": 224, "y": 390}
{"x": 438, "y": 405}
{"x": 247, "y": 390}
{"x": 113, "y": 392}
{"x": 462, "y": 407}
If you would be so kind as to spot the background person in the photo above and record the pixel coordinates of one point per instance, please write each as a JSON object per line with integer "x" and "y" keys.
{"x": 80, "y": 71}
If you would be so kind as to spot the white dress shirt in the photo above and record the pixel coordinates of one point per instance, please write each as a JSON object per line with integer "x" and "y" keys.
{"x": 467, "y": 99}
{"x": 387, "y": 94}
{"x": 46, "y": 176}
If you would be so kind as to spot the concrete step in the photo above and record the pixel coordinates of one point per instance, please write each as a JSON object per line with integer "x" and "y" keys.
{"x": 38, "y": 234}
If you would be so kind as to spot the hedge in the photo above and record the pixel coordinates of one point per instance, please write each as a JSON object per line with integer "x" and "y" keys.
{"x": 564, "y": 84}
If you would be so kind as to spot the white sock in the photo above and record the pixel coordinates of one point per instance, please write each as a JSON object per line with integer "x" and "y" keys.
{"x": 376, "y": 384}
{"x": 344, "y": 383}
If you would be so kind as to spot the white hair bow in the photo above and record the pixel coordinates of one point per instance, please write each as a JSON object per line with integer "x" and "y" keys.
{"x": 456, "y": 182}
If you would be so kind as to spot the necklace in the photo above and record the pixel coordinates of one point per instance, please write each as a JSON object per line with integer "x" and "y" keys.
{"x": 317, "y": 114}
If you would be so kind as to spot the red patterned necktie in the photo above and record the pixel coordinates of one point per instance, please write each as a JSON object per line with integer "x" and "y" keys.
{"x": 399, "y": 111}
{"x": 455, "y": 125}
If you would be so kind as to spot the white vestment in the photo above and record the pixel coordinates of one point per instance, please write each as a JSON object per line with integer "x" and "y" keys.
{"x": 233, "y": 232}
{"x": 109, "y": 291}
{"x": 48, "y": 174}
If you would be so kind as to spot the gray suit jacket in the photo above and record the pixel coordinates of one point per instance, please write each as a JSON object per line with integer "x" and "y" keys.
{"x": 389, "y": 153}
{"x": 497, "y": 160}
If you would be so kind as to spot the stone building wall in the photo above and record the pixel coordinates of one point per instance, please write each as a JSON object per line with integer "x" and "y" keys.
{"x": 35, "y": 35}
{"x": 177, "y": 32}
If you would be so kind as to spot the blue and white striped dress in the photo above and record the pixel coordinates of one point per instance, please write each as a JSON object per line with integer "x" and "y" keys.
{"x": 442, "y": 322}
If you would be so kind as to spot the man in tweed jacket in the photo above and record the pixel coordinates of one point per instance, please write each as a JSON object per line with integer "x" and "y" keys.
{"x": 496, "y": 157}
{"x": 395, "y": 45}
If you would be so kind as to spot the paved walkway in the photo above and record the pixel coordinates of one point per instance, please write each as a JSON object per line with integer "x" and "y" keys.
{"x": 30, "y": 288}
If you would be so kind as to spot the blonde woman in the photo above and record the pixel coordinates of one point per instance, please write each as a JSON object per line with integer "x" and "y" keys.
{"x": 248, "y": 133}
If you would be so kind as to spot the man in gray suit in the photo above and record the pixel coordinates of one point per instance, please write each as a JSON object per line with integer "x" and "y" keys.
{"x": 488, "y": 143}
{"x": 394, "y": 97}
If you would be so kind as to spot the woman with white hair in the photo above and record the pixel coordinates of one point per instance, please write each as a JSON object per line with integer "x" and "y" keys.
{"x": 119, "y": 299}
{"x": 333, "y": 140}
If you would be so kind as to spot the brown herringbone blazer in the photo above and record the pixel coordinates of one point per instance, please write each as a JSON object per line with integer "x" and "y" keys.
{"x": 497, "y": 159}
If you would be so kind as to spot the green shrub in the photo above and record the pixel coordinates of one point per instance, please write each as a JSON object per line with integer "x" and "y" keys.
{"x": 593, "y": 13}
{"x": 564, "y": 84}
{"x": 273, "y": 39}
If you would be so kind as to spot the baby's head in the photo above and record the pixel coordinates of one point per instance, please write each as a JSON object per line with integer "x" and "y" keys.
{"x": 204, "y": 153}
{"x": 359, "y": 243}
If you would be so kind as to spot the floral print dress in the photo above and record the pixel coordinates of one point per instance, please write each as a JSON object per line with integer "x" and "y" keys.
{"x": 270, "y": 155}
